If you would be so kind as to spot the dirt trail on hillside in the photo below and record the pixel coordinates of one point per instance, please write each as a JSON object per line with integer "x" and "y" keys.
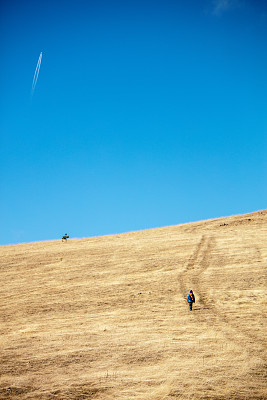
{"x": 203, "y": 256}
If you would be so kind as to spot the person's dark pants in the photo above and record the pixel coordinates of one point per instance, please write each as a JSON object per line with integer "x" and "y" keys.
{"x": 190, "y": 306}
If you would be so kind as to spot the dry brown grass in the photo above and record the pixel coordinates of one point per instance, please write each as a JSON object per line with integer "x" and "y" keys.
{"x": 106, "y": 318}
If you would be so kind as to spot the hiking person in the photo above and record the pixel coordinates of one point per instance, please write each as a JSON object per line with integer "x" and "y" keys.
{"x": 191, "y": 299}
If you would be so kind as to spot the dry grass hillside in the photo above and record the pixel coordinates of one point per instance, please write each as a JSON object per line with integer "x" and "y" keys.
{"x": 107, "y": 318}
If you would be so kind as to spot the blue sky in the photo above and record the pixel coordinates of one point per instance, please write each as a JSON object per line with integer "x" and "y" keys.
{"x": 145, "y": 114}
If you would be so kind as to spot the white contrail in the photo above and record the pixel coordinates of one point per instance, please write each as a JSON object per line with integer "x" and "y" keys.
{"x": 36, "y": 73}
{"x": 37, "y": 69}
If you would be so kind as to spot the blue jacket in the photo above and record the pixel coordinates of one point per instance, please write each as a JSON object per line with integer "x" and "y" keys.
{"x": 189, "y": 299}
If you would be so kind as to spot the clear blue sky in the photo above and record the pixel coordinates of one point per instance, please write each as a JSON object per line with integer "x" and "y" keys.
{"x": 145, "y": 114}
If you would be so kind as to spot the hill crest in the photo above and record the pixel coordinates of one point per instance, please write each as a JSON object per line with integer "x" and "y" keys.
{"x": 106, "y": 317}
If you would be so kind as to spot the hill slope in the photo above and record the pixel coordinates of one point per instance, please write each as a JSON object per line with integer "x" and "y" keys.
{"x": 107, "y": 318}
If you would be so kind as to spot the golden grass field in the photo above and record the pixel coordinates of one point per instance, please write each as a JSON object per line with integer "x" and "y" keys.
{"x": 107, "y": 318}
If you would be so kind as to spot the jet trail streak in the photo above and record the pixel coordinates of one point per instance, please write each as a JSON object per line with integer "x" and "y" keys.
{"x": 36, "y": 73}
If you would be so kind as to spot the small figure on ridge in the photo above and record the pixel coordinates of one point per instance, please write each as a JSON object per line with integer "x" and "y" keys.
{"x": 65, "y": 237}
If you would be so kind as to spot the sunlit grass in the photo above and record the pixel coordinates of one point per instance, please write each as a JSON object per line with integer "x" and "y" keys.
{"x": 107, "y": 317}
